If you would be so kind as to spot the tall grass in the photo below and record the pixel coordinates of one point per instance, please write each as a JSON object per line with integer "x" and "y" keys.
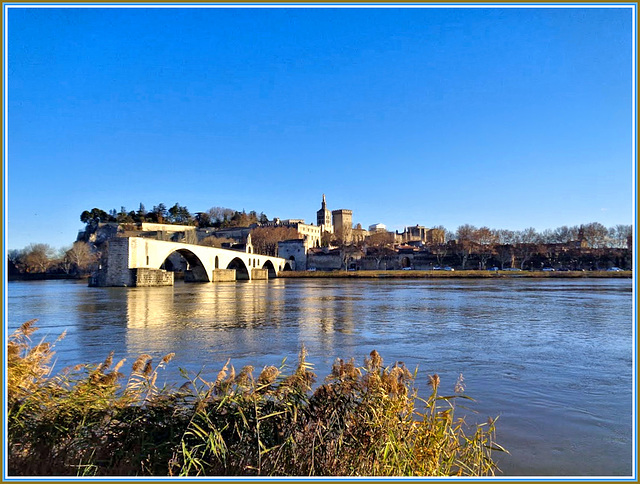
{"x": 361, "y": 421}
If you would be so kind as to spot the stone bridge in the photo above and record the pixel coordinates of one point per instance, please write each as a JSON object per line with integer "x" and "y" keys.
{"x": 138, "y": 261}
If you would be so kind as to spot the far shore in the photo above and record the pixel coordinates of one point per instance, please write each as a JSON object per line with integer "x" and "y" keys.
{"x": 43, "y": 276}
{"x": 390, "y": 274}
{"x": 472, "y": 274}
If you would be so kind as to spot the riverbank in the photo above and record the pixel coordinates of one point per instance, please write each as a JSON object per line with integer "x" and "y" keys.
{"x": 413, "y": 274}
{"x": 42, "y": 276}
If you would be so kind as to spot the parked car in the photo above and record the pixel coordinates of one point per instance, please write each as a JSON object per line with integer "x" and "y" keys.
{"x": 614, "y": 269}
{"x": 447, "y": 268}
{"x": 513, "y": 269}
{"x": 548, "y": 269}
{"x": 407, "y": 268}
{"x": 496, "y": 269}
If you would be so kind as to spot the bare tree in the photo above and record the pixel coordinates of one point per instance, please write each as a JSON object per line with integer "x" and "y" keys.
{"x": 464, "y": 243}
{"x": 621, "y": 236}
{"x": 81, "y": 256}
{"x": 505, "y": 240}
{"x": 64, "y": 262}
{"x": 527, "y": 245}
{"x": 349, "y": 253}
{"x": 38, "y": 257}
{"x": 265, "y": 239}
{"x": 440, "y": 251}
{"x": 595, "y": 234}
{"x": 485, "y": 240}
{"x": 562, "y": 235}
{"x": 219, "y": 215}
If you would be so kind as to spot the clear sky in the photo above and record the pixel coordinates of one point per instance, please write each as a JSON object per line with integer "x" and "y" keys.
{"x": 504, "y": 117}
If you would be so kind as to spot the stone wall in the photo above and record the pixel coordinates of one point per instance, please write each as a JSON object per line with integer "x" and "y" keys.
{"x": 370, "y": 263}
{"x": 117, "y": 270}
{"x": 324, "y": 262}
{"x": 151, "y": 227}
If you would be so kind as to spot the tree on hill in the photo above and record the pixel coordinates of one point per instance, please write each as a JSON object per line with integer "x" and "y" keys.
{"x": 158, "y": 214}
{"x": 95, "y": 216}
{"x": 179, "y": 215}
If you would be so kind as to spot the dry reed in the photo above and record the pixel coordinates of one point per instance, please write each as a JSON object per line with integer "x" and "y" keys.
{"x": 361, "y": 421}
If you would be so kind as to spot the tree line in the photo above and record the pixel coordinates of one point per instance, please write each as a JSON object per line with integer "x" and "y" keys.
{"x": 217, "y": 217}
{"x": 575, "y": 246}
{"x": 76, "y": 260}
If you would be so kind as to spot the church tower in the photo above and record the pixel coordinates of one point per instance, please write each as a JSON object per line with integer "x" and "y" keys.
{"x": 324, "y": 217}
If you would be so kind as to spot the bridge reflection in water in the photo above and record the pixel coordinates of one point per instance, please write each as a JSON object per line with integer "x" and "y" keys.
{"x": 251, "y": 322}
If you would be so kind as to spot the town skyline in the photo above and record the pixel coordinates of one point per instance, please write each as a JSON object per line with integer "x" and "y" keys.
{"x": 502, "y": 117}
{"x": 312, "y": 221}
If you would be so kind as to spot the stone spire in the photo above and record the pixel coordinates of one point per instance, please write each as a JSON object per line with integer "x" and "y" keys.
{"x": 324, "y": 215}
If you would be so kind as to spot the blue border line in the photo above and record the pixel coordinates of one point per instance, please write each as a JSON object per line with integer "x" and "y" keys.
{"x": 5, "y": 199}
{"x": 322, "y": 4}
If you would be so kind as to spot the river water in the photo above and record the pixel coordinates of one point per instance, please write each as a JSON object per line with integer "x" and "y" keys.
{"x": 552, "y": 358}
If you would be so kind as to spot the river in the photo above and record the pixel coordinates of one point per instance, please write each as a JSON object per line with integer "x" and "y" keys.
{"x": 552, "y": 358}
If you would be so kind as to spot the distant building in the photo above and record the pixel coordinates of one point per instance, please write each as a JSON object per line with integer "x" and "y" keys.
{"x": 358, "y": 234}
{"x": 377, "y": 228}
{"x": 295, "y": 251}
{"x": 310, "y": 233}
{"x": 342, "y": 224}
{"x": 417, "y": 233}
{"x": 237, "y": 233}
{"x": 245, "y": 246}
{"x": 323, "y": 217}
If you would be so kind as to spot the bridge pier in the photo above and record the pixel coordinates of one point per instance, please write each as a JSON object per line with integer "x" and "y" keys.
{"x": 223, "y": 275}
{"x": 259, "y": 274}
{"x": 144, "y": 277}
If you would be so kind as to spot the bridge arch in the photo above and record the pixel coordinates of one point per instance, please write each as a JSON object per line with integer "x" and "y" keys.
{"x": 242, "y": 272}
{"x": 195, "y": 271}
{"x": 271, "y": 270}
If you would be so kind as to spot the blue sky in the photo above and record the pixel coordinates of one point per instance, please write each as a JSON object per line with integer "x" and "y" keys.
{"x": 504, "y": 117}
